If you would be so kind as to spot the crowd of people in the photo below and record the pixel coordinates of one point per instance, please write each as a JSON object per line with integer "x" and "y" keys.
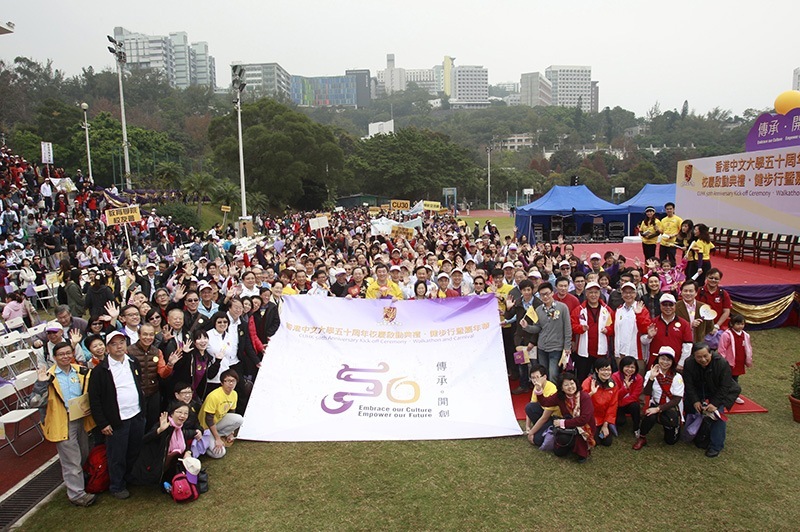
{"x": 166, "y": 340}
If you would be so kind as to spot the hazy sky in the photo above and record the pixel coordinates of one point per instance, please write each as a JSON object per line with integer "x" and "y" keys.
{"x": 733, "y": 54}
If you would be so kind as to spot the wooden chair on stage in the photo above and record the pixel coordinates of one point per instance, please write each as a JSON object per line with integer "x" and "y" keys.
{"x": 784, "y": 249}
{"x": 734, "y": 243}
{"x": 748, "y": 245}
{"x": 765, "y": 247}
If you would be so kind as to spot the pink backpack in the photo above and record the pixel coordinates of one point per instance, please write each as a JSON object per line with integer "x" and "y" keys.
{"x": 182, "y": 489}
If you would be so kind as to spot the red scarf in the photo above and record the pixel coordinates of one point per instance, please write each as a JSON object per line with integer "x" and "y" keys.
{"x": 665, "y": 381}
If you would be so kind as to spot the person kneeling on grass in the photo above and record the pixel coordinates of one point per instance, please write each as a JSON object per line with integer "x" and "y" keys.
{"x": 710, "y": 389}
{"x": 169, "y": 439}
{"x": 577, "y": 412}
{"x": 218, "y": 417}
{"x": 601, "y": 388}
{"x": 629, "y": 387}
{"x": 665, "y": 388}
{"x": 538, "y": 417}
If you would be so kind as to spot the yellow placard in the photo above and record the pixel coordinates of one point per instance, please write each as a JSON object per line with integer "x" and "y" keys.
{"x": 400, "y": 205}
{"x": 79, "y": 407}
{"x": 385, "y": 207}
{"x": 374, "y": 210}
{"x": 404, "y": 232}
{"x": 431, "y": 205}
{"x": 225, "y": 208}
{"x": 123, "y": 215}
{"x": 531, "y": 315}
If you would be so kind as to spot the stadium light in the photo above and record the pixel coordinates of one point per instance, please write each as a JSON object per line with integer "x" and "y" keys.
{"x": 85, "y": 108}
{"x": 118, "y": 51}
{"x": 238, "y": 85}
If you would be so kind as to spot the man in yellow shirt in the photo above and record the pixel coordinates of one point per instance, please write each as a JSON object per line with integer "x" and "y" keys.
{"x": 218, "y": 414}
{"x": 537, "y": 417}
{"x": 383, "y": 287}
{"x": 670, "y": 227}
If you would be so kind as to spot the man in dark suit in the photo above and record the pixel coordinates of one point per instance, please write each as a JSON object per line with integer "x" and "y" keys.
{"x": 149, "y": 283}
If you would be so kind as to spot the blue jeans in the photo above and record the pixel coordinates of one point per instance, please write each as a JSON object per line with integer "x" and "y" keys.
{"x": 122, "y": 449}
{"x": 718, "y": 429}
{"x": 534, "y": 411}
{"x": 549, "y": 359}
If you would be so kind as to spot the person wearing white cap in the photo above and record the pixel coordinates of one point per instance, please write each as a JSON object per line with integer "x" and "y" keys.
{"x": 631, "y": 320}
{"x": 149, "y": 283}
{"x": 508, "y": 273}
{"x": 666, "y": 389}
{"x": 593, "y": 325}
{"x": 457, "y": 282}
{"x": 117, "y": 402}
{"x": 444, "y": 290}
{"x": 649, "y": 229}
{"x": 339, "y": 286}
{"x": 670, "y": 330}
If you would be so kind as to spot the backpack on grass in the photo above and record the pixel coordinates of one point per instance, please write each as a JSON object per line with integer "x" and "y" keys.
{"x": 96, "y": 469}
{"x": 182, "y": 489}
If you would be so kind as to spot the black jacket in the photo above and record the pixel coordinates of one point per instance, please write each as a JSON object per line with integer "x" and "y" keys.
{"x": 713, "y": 383}
{"x": 103, "y": 393}
{"x": 148, "y": 470}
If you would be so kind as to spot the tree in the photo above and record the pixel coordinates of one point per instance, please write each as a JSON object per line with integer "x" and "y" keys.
{"x": 414, "y": 164}
{"x": 198, "y": 185}
{"x": 170, "y": 172}
{"x": 228, "y": 193}
{"x": 287, "y": 156}
{"x": 685, "y": 109}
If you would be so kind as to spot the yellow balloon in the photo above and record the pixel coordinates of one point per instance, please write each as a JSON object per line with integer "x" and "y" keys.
{"x": 786, "y": 101}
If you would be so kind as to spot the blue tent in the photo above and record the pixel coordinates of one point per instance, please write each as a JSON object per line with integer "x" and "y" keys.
{"x": 578, "y": 205}
{"x": 650, "y": 196}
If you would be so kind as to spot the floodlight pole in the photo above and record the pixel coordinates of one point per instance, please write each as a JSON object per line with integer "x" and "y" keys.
{"x": 489, "y": 149}
{"x": 239, "y": 85}
{"x": 85, "y": 108}
{"x": 119, "y": 53}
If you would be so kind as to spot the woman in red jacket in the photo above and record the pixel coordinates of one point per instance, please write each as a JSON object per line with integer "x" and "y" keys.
{"x": 629, "y": 388}
{"x": 601, "y": 388}
{"x": 577, "y": 412}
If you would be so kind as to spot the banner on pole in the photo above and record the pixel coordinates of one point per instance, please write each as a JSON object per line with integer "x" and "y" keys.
{"x": 320, "y": 222}
{"x": 398, "y": 231}
{"x": 408, "y": 370}
{"x": 123, "y": 215}
{"x": 400, "y": 205}
{"x": 47, "y": 153}
{"x": 756, "y": 191}
{"x": 225, "y": 208}
{"x": 432, "y": 205}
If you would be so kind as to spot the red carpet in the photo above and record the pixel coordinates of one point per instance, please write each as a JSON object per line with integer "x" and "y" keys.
{"x": 16, "y": 468}
{"x": 735, "y": 272}
{"x": 519, "y": 402}
{"x": 749, "y": 407}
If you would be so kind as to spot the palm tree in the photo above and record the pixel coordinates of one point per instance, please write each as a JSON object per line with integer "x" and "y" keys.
{"x": 257, "y": 202}
{"x": 198, "y": 185}
{"x": 227, "y": 193}
{"x": 170, "y": 172}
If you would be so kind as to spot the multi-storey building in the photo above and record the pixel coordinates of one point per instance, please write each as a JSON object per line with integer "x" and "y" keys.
{"x": 572, "y": 84}
{"x": 350, "y": 90}
{"x": 266, "y": 79}
{"x": 535, "y": 89}
{"x": 470, "y": 87}
{"x": 173, "y": 55}
{"x": 206, "y": 66}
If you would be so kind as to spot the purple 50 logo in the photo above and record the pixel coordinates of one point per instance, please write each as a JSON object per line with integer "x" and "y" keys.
{"x": 372, "y": 387}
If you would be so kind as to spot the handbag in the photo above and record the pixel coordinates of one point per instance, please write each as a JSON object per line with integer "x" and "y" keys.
{"x": 670, "y": 419}
{"x": 202, "y": 481}
{"x": 565, "y": 437}
{"x": 692, "y": 426}
{"x": 549, "y": 441}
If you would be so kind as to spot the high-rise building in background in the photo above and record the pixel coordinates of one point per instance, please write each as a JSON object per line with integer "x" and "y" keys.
{"x": 266, "y": 79}
{"x": 572, "y": 84}
{"x": 350, "y": 90}
{"x": 470, "y": 87}
{"x": 391, "y": 79}
{"x": 424, "y": 78}
{"x": 173, "y": 55}
{"x": 447, "y": 75}
{"x": 206, "y": 66}
{"x": 796, "y": 79}
{"x": 508, "y": 86}
{"x": 535, "y": 89}
{"x": 185, "y": 60}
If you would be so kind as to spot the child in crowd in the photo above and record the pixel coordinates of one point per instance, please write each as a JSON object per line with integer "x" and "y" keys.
{"x": 735, "y": 347}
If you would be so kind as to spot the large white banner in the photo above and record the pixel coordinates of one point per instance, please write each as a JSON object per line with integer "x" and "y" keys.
{"x": 754, "y": 191}
{"x": 340, "y": 370}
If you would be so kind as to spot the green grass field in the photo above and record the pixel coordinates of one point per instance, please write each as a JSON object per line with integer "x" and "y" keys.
{"x": 501, "y": 483}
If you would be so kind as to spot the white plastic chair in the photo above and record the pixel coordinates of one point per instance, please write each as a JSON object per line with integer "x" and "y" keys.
{"x": 14, "y": 418}
{"x": 15, "y": 323}
{"x": 15, "y": 357}
{"x": 7, "y": 391}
